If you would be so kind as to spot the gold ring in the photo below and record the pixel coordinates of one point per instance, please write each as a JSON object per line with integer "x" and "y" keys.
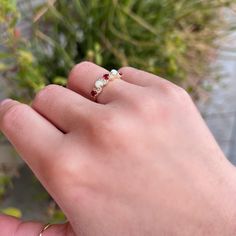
{"x": 103, "y": 81}
{"x": 44, "y": 229}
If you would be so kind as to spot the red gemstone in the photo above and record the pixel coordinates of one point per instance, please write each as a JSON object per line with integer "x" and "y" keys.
{"x": 106, "y": 76}
{"x": 93, "y": 93}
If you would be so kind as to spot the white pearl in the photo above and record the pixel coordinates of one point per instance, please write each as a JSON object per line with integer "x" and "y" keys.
{"x": 114, "y": 72}
{"x": 99, "y": 84}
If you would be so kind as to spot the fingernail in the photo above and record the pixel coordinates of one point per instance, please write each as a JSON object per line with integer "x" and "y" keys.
{"x": 5, "y": 101}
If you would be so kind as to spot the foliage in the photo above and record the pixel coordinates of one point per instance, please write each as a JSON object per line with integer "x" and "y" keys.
{"x": 5, "y": 181}
{"x": 166, "y": 37}
{"x": 11, "y": 211}
{"x": 17, "y": 63}
{"x": 55, "y": 215}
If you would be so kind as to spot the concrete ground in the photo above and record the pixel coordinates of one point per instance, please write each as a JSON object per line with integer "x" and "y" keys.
{"x": 220, "y": 110}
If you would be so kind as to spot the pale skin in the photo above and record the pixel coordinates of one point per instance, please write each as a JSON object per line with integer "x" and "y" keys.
{"x": 139, "y": 162}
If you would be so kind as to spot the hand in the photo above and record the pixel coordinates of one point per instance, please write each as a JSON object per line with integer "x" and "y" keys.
{"x": 141, "y": 161}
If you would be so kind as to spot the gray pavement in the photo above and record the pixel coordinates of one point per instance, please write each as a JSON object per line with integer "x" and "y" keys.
{"x": 220, "y": 110}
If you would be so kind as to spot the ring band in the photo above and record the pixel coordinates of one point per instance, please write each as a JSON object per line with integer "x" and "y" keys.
{"x": 44, "y": 229}
{"x": 103, "y": 81}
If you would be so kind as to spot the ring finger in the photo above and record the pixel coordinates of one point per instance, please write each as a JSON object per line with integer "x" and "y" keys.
{"x": 83, "y": 77}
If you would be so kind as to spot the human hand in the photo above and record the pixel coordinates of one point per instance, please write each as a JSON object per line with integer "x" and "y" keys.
{"x": 141, "y": 161}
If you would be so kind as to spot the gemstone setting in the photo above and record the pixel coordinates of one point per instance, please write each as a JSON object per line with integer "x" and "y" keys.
{"x": 93, "y": 93}
{"x": 103, "y": 81}
{"x": 106, "y": 76}
{"x": 100, "y": 83}
{"x": 114, "y": 72}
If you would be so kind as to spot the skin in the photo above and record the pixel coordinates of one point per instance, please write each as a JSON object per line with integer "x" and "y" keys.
{"x": 141, "y": 161}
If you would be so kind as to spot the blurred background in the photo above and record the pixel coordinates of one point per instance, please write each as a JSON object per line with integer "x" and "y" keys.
{"x": 189, "y": 42}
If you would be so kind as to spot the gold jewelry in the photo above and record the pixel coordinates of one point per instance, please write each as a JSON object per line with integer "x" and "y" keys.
{"x": 44, "y": 229}
{"x": 102, "y": 82}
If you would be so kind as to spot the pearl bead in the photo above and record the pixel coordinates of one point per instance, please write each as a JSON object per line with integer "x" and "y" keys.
{"x": 114, "y": 72}
{"x": 99, "y": 84}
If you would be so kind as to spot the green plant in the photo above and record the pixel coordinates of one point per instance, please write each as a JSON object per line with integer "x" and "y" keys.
{"x": 5, "y": 182}
{"x": 168, "y": 38}
{"x": 11, "y": 211}
{"x": 18, "y": 65}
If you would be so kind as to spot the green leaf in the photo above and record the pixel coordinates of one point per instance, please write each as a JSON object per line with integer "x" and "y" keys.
{"x": 60, "y": 80}
{"x": 11, "y": 211}
{"x": 4, "y": 67}
{"x": 57, "y": 217}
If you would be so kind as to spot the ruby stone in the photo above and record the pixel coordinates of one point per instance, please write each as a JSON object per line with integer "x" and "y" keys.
{"x": 93, "y": 93}
{"x": 106, "y": 76}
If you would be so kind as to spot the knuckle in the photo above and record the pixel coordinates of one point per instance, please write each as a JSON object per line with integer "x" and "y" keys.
{"x": 149, "y": 105}
{"x": 11, "y": 116}
{"x": 181, "y": 92}
{"x": 182, "y": 96}
{"x": 109, "y": 125}
{"x": 175, "y": 91}
{"x": 108, "y": 122}
{"x": 167, "y": 87}
{"x": 177, "y": 99}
